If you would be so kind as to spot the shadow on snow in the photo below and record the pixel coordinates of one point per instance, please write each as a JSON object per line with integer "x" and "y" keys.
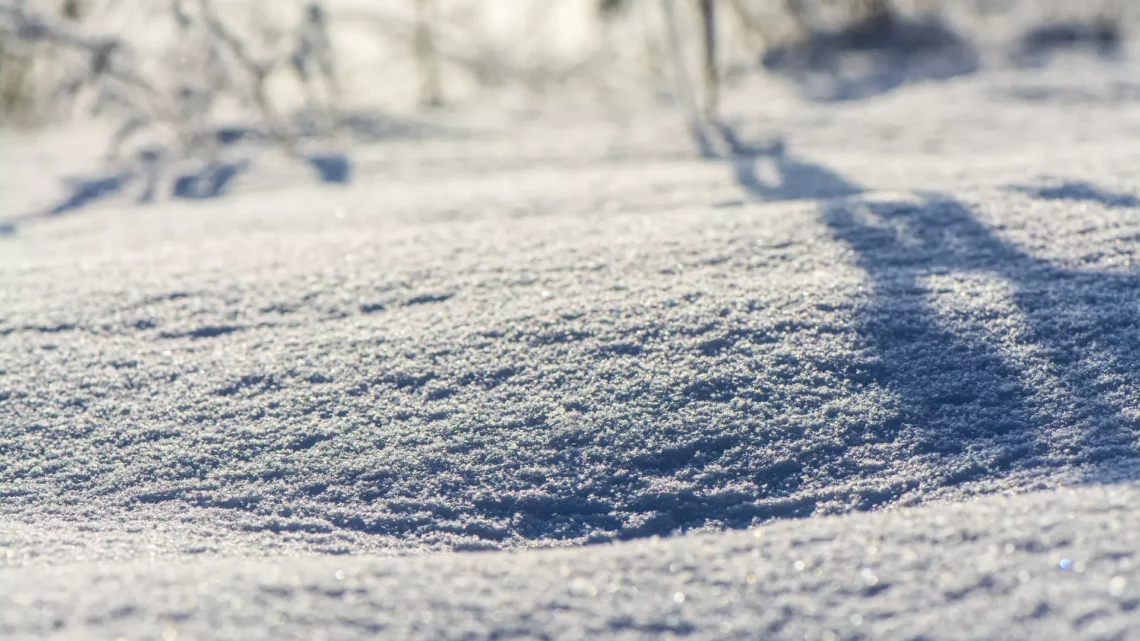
{"x": 149, "y": 172}
{"x": 972, "y": 401}
{"x": 987, "y": 360}
{"x": 1076, "y": 190}
{"x": 872, "y": 57}
{"x": 1039, "y": 45}
{"x": 887, "y": 51}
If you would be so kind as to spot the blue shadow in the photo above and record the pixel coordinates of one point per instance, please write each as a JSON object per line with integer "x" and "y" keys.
{"x": 1078, "y": 190}
{"x": 332, "y": 168}
{"x": 872, "y": 57}
{"x": 211, "y": 182}
{"x": 1038, "y": 46}
{"x": 790, "y": 178}
{"x": 85, "y": 191}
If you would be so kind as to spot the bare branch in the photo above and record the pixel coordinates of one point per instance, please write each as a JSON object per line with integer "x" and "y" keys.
{"x": 258, "y": 75}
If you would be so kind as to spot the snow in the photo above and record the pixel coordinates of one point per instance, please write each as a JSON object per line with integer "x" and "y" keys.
{"x": 1052, "y": 565}
{"x": 871, "y": 373}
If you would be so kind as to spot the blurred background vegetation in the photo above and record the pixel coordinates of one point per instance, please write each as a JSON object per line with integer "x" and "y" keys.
{"x": 188, "y": 76}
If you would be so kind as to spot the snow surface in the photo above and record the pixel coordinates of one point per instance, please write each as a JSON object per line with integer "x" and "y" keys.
{"x": 1057, "y": 565}
{"x": 275, "y": 407}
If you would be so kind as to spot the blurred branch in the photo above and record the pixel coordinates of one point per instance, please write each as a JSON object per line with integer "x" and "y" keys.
{"x": 427, "y": 52}
{"x": 257, "y": 71}
{"x": 107, "y": 58}
{"x": 111, "y": 71}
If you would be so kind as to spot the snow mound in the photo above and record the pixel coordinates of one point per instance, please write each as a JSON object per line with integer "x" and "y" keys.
{"x": 354, "y": 378}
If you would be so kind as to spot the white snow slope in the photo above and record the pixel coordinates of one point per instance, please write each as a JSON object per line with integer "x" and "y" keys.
{"x": 827, "y": 388}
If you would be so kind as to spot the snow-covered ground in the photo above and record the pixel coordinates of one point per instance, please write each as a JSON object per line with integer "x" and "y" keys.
{"x": 870, "y": 373}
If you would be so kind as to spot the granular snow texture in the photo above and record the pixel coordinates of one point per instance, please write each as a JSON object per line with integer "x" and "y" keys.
{"x": 1057, "y": 565}
{"x": 563, "y": 336}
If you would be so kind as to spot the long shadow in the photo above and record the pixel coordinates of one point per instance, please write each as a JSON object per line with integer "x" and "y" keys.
{"x": 1038, "y": 46}
{"x": 962, "y": 393}
{"x": 212, "y": 181}
{"x": 768, "y": 173}
{"x": 84, "y": 191}
{"x": 1079, "y": 190}
{"x": 81, "y": 191}
{"x": 1030, "y": 380}
{"x": 872, "y": 57}
{"x": 215, "y": 179}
